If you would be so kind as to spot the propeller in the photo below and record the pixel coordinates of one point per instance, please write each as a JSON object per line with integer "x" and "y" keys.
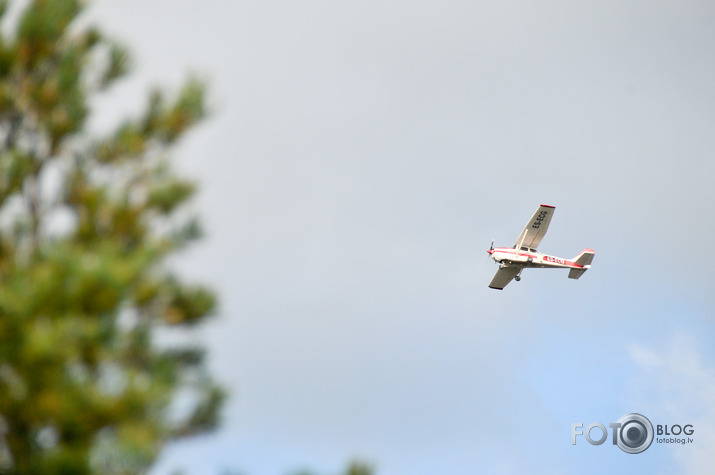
{"x": 491, "y": 248}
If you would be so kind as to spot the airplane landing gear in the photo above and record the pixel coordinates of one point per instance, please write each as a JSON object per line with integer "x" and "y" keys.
{"x": 517, "y": 278}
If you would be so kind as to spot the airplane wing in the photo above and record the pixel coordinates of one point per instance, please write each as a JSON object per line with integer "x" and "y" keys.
{"x": 536, "y": 228}
{"x": 503, "y": 277}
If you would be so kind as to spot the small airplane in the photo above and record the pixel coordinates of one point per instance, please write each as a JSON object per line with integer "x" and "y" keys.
{"x": 513, "y": 260}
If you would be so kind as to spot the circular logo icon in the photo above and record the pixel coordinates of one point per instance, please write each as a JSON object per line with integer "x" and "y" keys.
{"x": 635, "y": 433}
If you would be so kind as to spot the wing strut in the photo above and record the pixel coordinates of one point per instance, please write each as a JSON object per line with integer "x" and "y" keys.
{"x": 522, "y": 242}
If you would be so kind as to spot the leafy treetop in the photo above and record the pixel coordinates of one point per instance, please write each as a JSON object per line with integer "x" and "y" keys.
{"x": 86, "y": 224}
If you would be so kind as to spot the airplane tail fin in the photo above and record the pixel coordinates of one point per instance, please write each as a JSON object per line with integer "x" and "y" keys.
{"x": 584, "y": 260}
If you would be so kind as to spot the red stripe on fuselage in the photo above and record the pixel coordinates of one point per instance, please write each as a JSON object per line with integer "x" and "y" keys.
{"x": 509, "y": 250}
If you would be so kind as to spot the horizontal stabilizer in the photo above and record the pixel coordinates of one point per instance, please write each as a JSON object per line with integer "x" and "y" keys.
{"x": 584, "y": 260}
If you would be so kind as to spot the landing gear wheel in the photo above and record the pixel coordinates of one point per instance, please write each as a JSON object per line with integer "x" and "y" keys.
{"x": 517, "y": 278}
{"x": 530, "y": 260}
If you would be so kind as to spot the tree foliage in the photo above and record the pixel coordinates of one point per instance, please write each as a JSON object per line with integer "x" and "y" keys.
{"x": 86, "y": 225}
{"x": 355, "y": 467}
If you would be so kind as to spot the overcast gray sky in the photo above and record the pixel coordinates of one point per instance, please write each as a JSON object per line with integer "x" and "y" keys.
{"x": 361, "y": 157}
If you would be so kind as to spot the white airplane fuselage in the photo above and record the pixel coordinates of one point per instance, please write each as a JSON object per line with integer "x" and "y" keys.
{"x": 523, "y": 254}
{"x": 511, "y": 257}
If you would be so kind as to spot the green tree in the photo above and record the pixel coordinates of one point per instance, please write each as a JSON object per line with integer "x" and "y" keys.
{"x": 355, "y": 467}
{"x": 86, "y": 225}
